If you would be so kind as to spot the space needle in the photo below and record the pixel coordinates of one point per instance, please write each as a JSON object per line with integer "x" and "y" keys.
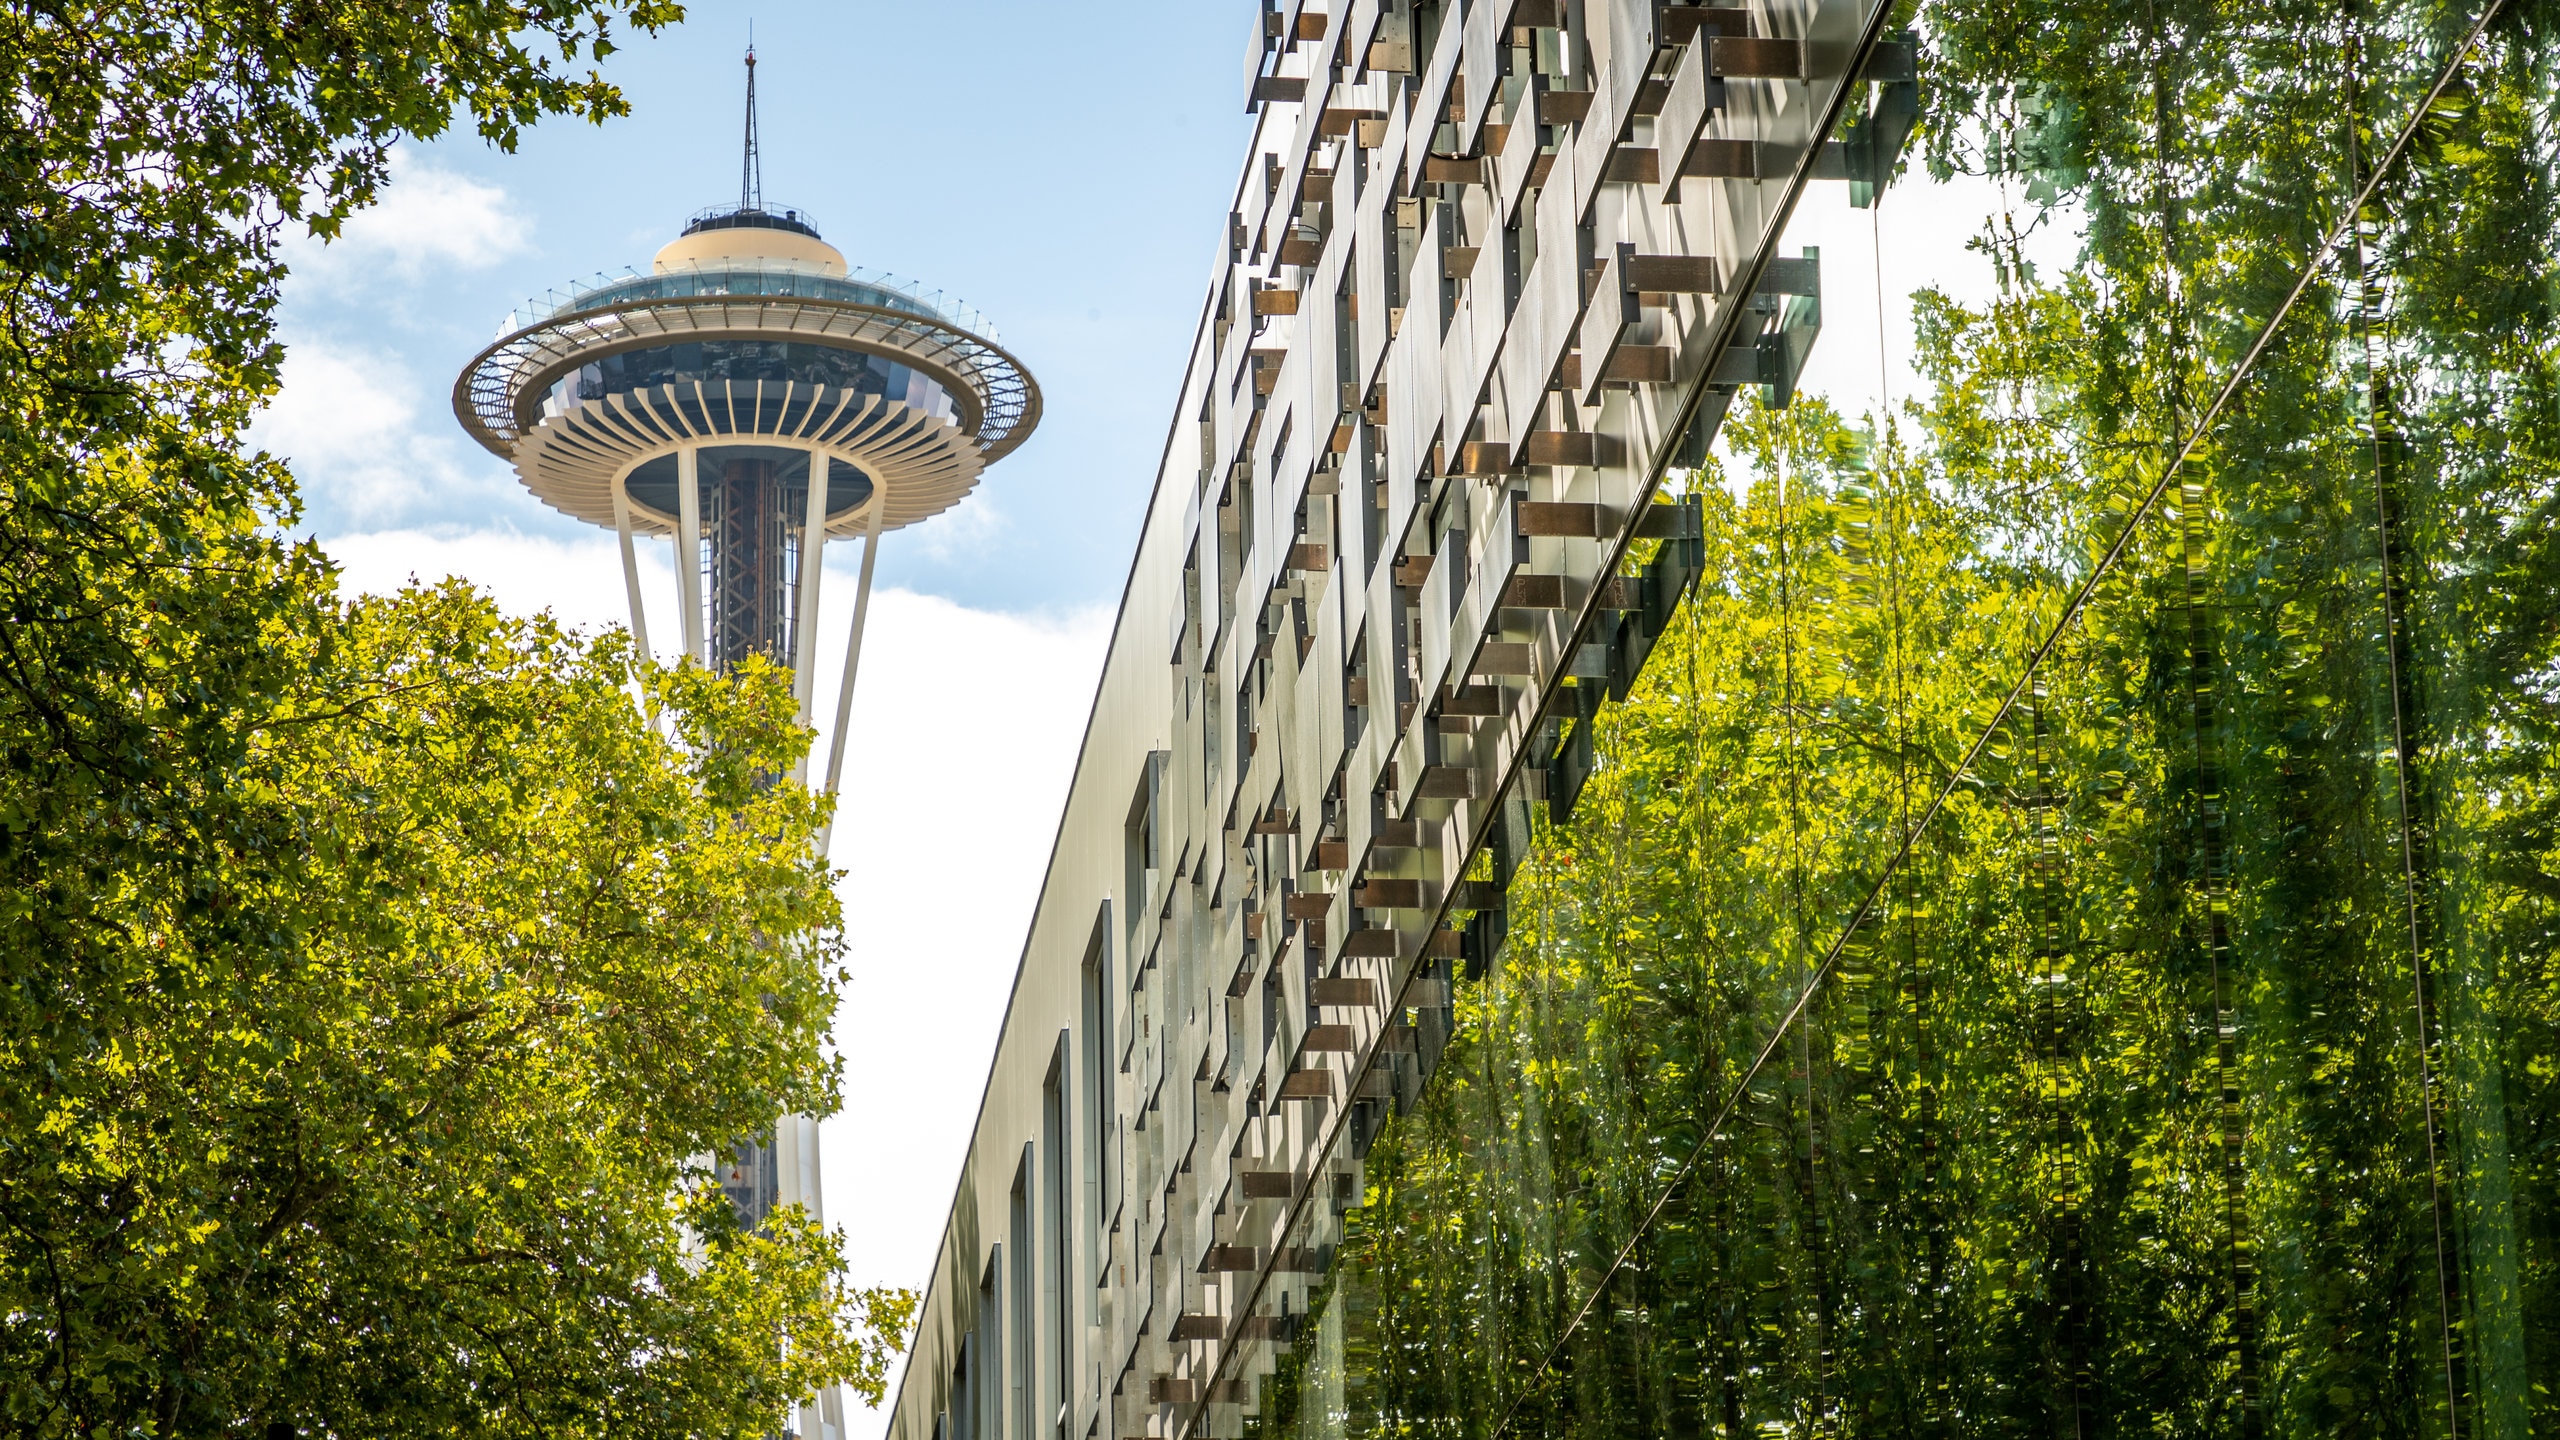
{"x": 751, "y": 398}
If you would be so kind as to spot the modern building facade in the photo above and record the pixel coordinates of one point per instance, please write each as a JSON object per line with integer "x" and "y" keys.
{"x": 750, "y": 398}
{"x": 1609, "y": 893}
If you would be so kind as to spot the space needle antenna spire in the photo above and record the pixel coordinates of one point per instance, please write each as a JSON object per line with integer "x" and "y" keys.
{"x": 751, "y": 166}
{"x": 758, "y": 404}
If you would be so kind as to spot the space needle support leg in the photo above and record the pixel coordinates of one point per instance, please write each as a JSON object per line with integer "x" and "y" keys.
{"x": 853, "y": 643}
{"x": 689, "y": 553}
{"x": 804, "y": 625}
{"x": 630, "y": 564}
{"x": 800, "y": 1180}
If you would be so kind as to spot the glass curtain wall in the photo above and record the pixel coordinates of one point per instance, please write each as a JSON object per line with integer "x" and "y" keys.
{"x": 2062, "y": 938}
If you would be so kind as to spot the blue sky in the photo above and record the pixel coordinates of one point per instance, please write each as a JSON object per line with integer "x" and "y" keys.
{"x": 1065, "y": 168}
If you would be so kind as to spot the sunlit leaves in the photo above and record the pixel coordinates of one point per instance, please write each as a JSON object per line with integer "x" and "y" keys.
{"x": 2189, "y": 1072}
{"x": 378, "y": 984}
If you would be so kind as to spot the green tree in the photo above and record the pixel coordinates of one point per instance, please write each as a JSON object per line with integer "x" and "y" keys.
{"x": 376, "y": 982}
{"x": 2192, "y": 1072}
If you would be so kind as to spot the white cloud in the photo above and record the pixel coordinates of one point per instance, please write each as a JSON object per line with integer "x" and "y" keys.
{"x": 338, "y": 406}
{"x": 372, "y": 439}
{"x": 965, "y": 729}
{"x": 1918, "y": 238}
{"x": 967, "y": 526}
{"x": 428, "y": 218}
{"x": 367, "y": 440}
{"x": 578, "y": 581}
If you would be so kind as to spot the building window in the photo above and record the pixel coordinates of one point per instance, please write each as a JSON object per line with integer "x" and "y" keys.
{"x": 1021, "y": 1318}
{"x": 1138, "y": 876}
{"x": 1057, "y": 1284}
{"x": 982, "y": 1358}
{"x": 1101, "y": 1110}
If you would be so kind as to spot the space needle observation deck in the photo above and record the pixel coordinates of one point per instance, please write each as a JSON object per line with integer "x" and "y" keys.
{"x": 751, "y": 398}
{"x": 698, "y": 401}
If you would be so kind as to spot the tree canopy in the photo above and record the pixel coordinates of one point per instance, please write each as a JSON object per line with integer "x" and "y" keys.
{"x": 378, "y": 982}
{"x": 2190, "y": 1071}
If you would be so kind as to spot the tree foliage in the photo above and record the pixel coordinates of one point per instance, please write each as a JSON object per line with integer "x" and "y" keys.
{"x": 2193, "y": 1071}
{"x": 378, "y": 984}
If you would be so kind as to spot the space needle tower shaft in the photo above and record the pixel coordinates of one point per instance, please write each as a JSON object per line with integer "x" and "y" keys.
{"x": 748, "y": 399}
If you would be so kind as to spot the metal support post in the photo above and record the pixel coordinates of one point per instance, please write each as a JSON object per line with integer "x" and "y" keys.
{"x": 853, "y": 650}
{"x": 813, "y": 542}
{"x": 630, "y": 563}
{"x": 689, "y": 555}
